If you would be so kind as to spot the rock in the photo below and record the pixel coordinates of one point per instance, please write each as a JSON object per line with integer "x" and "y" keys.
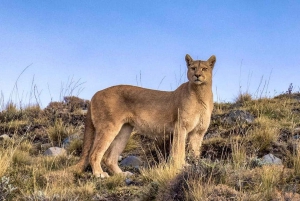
{"x": 239, "y": 116}
{"x": 4, "y": 137}
{"x": 270, "y": 159}
{"x": 83, "y": 111}
{"x": 296, "y": 137}
{"x": 131, "y": 161}
{"x": 66, "y": 142}
{"x": 297, "y": 130}
{"x": 128, "y": 181}
{"x": 55, "y": 151}
{"x": 120, "y": 158}
{"x": 296, "y": 133}
{"x": 99, "y": 197}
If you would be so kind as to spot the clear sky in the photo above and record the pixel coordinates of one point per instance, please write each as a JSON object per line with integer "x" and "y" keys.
{"x": 103, "y": 43}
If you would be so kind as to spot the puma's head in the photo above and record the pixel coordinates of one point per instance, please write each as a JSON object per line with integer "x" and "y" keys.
{"x": 200, "y": 72}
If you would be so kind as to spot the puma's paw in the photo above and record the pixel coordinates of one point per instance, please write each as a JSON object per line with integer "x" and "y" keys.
{"x": 126, "y": 174}
{"x": 101, "y": 175}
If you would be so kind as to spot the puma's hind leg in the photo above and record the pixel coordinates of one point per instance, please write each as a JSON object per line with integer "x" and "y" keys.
{"x": 116, "y": 148}
{"x": 105, "y": 135}
{"x": 89, "y": 135}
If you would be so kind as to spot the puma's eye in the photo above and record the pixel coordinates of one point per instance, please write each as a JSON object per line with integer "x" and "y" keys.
{"x": 204, "y": 69}
{"x": 193, "y": 68}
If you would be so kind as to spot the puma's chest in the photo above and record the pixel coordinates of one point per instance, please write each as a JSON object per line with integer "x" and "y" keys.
{"x": 198, "y": 119}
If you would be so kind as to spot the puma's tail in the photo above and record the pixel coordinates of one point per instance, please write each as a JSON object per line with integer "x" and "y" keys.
{"x": 89, "y": 135}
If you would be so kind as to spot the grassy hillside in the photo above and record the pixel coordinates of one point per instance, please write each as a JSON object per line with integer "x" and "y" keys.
{"x": 231, "y": 166}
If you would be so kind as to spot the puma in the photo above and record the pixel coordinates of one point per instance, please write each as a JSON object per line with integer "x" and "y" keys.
{"x": 114, "y": 112}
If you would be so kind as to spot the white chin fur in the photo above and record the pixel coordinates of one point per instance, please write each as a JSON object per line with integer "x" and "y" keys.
{"x": 197, "y": 82}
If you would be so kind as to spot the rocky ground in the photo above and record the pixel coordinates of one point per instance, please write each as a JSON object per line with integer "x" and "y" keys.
{"x": 250, "y": 152}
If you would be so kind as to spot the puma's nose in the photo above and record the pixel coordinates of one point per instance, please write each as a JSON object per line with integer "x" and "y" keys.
{"x": 197, "y": 75}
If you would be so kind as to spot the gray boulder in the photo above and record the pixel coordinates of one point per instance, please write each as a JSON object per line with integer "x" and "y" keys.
{"x": 55, "y": 151}
{"x": 132, "y": 161}
{"x": 270, "y": 159}
{"x": 239, "y": 116}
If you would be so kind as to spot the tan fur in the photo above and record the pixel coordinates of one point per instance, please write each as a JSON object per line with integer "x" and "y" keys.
{"x": 115, "y": 111}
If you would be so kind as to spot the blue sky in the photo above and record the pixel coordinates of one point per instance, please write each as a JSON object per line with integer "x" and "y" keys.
{"x": 108, "y": 42}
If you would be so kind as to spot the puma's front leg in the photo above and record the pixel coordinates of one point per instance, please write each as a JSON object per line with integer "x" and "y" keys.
{"x": 178, "y": 147}
{"x": 194, "y": 143}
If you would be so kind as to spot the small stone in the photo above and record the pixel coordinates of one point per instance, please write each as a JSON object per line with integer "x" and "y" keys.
{"x": 4, "y": 137}
{"x": 120, "y": 158}
{"x": 131, "y": 161}
{"x": 128, "y": 181}
{"x": 296, "y": 137}
{"x": 270, "y": 159}
{"x": 55, "y": 151}
{"x": 99, "y": 197}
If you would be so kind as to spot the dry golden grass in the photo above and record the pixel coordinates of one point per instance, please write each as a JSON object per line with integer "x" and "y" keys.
{"x": 296, "y": 162}
{"x": 243, "y": 97}
{"x": 238, "y": 154}
{"x": 225, "y": 171}
{"x": 197, "y": 190}
{"x": 161, "y": 174}
{"x": 59, "y": 131}
{"x": 270, "y": 177}
{"x": 264, "y": 134}
{"x": 114, "y": 182}
{"x": 6, "y": 158}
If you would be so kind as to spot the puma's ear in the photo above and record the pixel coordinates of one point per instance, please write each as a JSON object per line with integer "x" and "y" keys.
{"x": 212, "y": 61}
{"x": 188, "y": 59}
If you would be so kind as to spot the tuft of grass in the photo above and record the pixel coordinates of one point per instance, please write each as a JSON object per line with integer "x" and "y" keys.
{"x": 34, "y": 113}
{"x": 200, "y": 191}
{"x": 59, "y": 185}
{"x": 114, "y": 182}
{"x": 6, "y": 158}
{"x": 55, "y": 163}
{"x": 270, "y": 177}
{"x": 243, "y": 97}
{"x": 296, "y": 162}
{"x": 264, "y": 134}
{"x": 21, "y": 158}
{"x": 275, "y": 109}
{"x": 59, "y": 131}
{"x": 75, "y": 147}
{"x": 239, "y": 156}
{"x": 10, "y": 113}
{"x": 160, "y": 174}
{"x": 159, "y": 178}
{"x": 197, "y": 190}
